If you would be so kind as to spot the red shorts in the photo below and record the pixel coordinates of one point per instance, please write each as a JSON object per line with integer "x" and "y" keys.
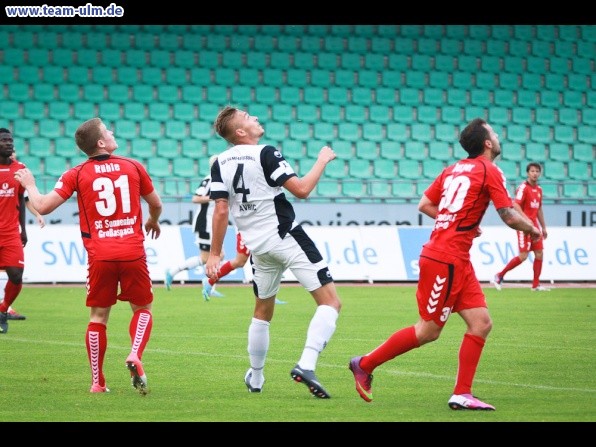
{"x": 525, "y": 243}
{"x": 240, "y": 247}
{"x": 12, "y": 253}
{"x": 104, "y": 278}
{"x": 447, "y": 284}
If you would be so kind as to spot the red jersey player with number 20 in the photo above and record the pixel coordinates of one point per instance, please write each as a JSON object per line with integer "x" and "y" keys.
{"x": 457, "y": 200}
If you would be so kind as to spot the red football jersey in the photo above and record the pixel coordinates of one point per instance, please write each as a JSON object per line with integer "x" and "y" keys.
{"x": 10, "y": 191}
{"x": 463, "y": 192}
{"x": 530, "y": 199}
{"x": 109, "y": 190}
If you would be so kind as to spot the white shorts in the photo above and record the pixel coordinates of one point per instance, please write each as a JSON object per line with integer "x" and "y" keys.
{"x": 296, "y": 252}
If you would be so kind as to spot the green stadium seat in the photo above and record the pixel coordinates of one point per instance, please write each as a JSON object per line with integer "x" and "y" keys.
{"x": 313, "y": 147}
{"x": 422, "y": 62}
{"x": 574, "y": 190}
{"x": 29, "y": 74}
{"x": 549, "y": 98}
{"x": 355, "y": 113}
{"x": 267, "y": 95}
{"x": 208, "y": 111}
{"x": 546, "y": 116}
{"x": 151, "y": 75}
{"x": 24, "y": 128}
{"x": 160, "y": 58}
{"x": 271, "y": 77}
{"x": 560, "y": 65}
{"x": 536, "y": 65}
{"x": 55, "y": 165}
{"x": 94, "y": 93}
{"x": 421, "y": 186}
{"x": 480, "y": 98}
{"x": 248, "y": 77}
{"x": 304, "y": 112}
{"x": 440, "y": 150}
{"x": 403, "y": 190}
{"x": 87, "y": 57}
{"x": 296, "y": 77}
{"x": 451, "y": 115}
{"x": 496, "y": 48}
{"x": 384, "y": 168}
{"x": 472, "y": 112}
{"x": 408, "y": 169}
{"x": 381, "y": 45}
{"x": 325, "y": 188}
{"x": 199, "y": 76}
{"x": 415, "y": 150}
{"x": 591, "y": 95}
{"x": 578, "y": 170}
{"x": 343, "y": 149}
{"x": 192, "y": 148}
{"x": 584, "y": 152}
{"x": 353, "y": 189}
{"x": 564, "y": 134}
{"x": 297, "y": 130}
{"x": 397, "y": 132}
{"x": 343, "y": 78}
{"x": 586, "y": 134}
{"x": 330, "y": 112}
{"x": 555, "y": 81}
{"x": 324, "y": 131}
{"x": 541, "y": 48}
{"x": 284, "y": 113}
{"x": 399, "y": 62}
{"x": 109, "y": 111}
{"x": 318, "y": 78}
{"x": 416, "y": 79}
{"x": 49, "y": 128}
{"x": 167, "y": 148}
{"x": 555, "y": 170}
{"x": 278, "y": 60}
{"x": 503, "y": 98}
{"x": 316, "y": 95}
{"x": 34, "y": 110}
{"x": 168, "y": 94}
{"x": 473, "y": 47}
{"x": 559, "y": 151}
{"x": 135, "y": 111}
{"x": 368, "y": 78}
{"x": 469, "y": 63}
{"x": 522, "y": 116}
{"x": 407, "y": 96}
{"x": 350, "y": 61}
{"x": 519, "y": 48}
{"x": 582, "y": 65}
{"x": 277, "y": 131}
{"x": 527, "y": 98}
{"x": 18, "y": 92}
{"x": 577, "y": 81}
{"x": 359, "y": 168}
{"x": 457, "y": 97}
{"x": 175, "y": 130}
{"x": 392, "y": 79}
{"x": 127, "y": 76}
{"x": 487, "y": 81}
{"x": 403, "y": 113}
{"x": 367, "y": 150}
{"x": 390, "y": 150}
{"x": 421, "y": 132}
{"x": 83, "y": 110}
{"x": 535, "y": 151}
{"x": 337, "y": 95}
{"x": 573, "y": 99}
{"x": 356, "y": 44}
{"x": 510, "y": 168}
{"x": 100, "y": 75}
{"x": 592, "y": 190}
{"x": 169, "y": 42}
{"x": 144, "y": 93}
{"x": 184, "y": 167}
{"x": 550, "y": 191}
{"x": 362, "y": 95}
{"x": 40, "y": 147}
{"x": 184, "y": 59}
{"x": 158, "y": 167}
{"x": 32, "y": 162}
{"x": 10, "y": 110}
{"x": 377, "y": 113}
{"x": 14, "y": 56}
{"x": 445, "y": 132}
{"x": 540, "y": 134}
{"x": 585, "y": 49}
{"x": 349, "y": 131}
{"x": 292, "y": 149}
{"x": 65, "y": 147}
{"x": 380, "y": 190}
{"x": 71, "y": 126}
{"x": 462, "y": 79}
{"x": 141, "y": 149}
{"x": 192, "y": 94}
{"x": 201, "y": 130}
{"x": 126, "y": 129}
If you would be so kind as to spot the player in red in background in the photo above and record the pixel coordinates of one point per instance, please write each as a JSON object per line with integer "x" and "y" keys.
{"x": 457, "y": 200}
{"x": 109, "y": 189}
{"x": 528, "y": 200}
{"x": 12, "y": 226}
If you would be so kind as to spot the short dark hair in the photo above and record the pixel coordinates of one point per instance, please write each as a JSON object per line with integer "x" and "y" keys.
{"x": 473, "y": 136}
{"x": 4, "y": 130}
{"x": 535, "y": 165}
{"x": 88, "y": 134}
{"x": 222, "y": 123}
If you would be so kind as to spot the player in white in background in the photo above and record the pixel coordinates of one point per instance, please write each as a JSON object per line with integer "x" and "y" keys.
{"x": 248, "y": 180}
{"x": 202, "y": 227}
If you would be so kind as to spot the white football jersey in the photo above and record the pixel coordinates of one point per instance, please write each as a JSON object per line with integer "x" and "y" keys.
{"x": 203, "y": 216}
{"x": 251, "y": 178}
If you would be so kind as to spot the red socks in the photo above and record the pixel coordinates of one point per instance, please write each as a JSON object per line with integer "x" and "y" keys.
{"x": 11, "y": 291}
{"x": 399, "y": 343}
{"x": 96, "y": 341}
{"x": 223, "y": 271}
{"x": 140, "y": 330}
{"x": 537, "y": 271}
{"x": 469, "y": 356}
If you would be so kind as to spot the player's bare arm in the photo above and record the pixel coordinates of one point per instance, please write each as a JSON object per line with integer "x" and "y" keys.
{"x": 302, "y": 187}
{"x": 427, "y": 207}
{"x": 43, "y": 203}
{"x": 218, "y": 232}
{"x": 518, "y": 221}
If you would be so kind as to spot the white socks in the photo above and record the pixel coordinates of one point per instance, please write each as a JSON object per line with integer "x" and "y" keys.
{"x": 320, "y": 330}
{"x": 258, "y": 345}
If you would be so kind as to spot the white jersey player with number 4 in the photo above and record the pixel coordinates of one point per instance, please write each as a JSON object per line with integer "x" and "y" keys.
{"x": 248, "y": 180}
